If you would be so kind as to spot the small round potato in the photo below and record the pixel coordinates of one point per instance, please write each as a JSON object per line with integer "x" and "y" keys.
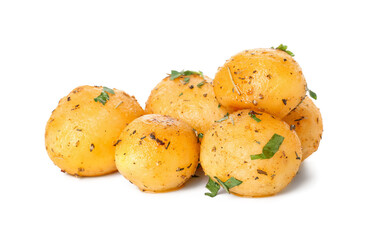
{"x": 157, "y": 153}
{"x": 307, "y": 122}
{"x": 266, "y": 80}
{"x": 189, "y": 98}
{"x": 81, "y": 134}
{"x": 227, "y": 151}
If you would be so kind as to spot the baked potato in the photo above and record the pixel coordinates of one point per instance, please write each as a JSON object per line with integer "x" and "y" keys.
{"x": 307, "y": 122}
{"x": 254, "y": 148}
{"x": 187, "y": 97}
{"x": 83, "y": 130}
{"x": 266, "y": 80}
{"x": 157, "y": 153}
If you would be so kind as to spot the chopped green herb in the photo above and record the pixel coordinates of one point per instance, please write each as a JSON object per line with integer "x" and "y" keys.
{"x": 232, "y": 182}
{"x": 253, "y": 116}
{"x": 186, "y": 80}
{"x": 213, "y": 187}
{"x": 270, "y": 148}
{"x": 312, "y": 94}
{"x": 175, "y": 74}
{"x": 200, "y": 84}
{"x": 200, "y": 135}
{"x": 219, "y": 105}
{"x": 226, "y": 116}
{"x": 108, "y": 90}
{"x": 181, "y": 94}
{"x": 285, "y": 49}
{"x": 222, "y": 184}
{"x": 104, "y": 96}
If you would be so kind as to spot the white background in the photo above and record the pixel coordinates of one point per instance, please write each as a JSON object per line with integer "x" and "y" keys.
{"x": 47, "y": 48}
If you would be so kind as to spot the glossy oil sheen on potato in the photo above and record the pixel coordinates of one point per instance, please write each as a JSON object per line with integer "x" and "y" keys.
{"x": 226, "y": 149}
{"x": 266, "y": 80}
{"x": 81, "y": 134}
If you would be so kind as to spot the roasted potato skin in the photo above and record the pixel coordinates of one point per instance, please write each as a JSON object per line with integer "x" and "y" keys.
{"x": 266, "y": 80}
{"x": 226, "y": 149}
{"x": 307, "y": 121}
{"x": 191, "y": 102}
{"x": 81, "y": 134}
{"x": 157, "y": 153}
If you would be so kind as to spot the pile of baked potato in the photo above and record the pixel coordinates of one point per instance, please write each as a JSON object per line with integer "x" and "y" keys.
{"x": 249, "y": 128}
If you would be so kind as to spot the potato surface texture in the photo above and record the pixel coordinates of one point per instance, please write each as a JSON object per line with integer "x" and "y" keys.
{"x": 307, "y": 122}
{"x": 157, "y": 153}
{"x": 227, "y": 147}
{"x": 81, "y": 134}
{"x": 193, "y": 101}
{"x": 265, "y": 80}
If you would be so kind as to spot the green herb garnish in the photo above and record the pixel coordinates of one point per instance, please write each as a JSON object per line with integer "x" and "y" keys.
{"x": 200, "y": 84}
{"x": 226, "y": 116}
{"x": 186, "y": 80}
{"x": 175, "y": 74}
{"x": 253, "y": 116}
{"x": 181, "y": 94}
{"x": 200, "y": 135}
{"x": 312, "y": 94}
{"x": 214, "y": 186}
{"x": 285, "y": 49}
{"x": 270, "y": 148}
{"x": 232, "y": 182}
{"x": 104, "y": 96}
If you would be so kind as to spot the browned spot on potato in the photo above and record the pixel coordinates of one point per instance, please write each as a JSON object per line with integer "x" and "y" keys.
{"x": 117, "y": 142}
{"x": 262, "y": 172}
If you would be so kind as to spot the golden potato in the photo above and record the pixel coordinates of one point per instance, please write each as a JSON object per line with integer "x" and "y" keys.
{"x": 81, "y": 134}
{"x": 266, "y": 80}
{"x": 157, "y": 153}
{"x": 228, "y": 148}
{"x": 190, "y": 98}
{"x": 307, "y": 122}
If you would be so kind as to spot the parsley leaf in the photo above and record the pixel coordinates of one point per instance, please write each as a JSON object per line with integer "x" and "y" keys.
{"x": 200, "y": 135}
{"x": 253, "y": 116}
{"x": 104, "y": 96}
{"x": 312, "y": 94}
{"x": 232, "y": 182}
{"x": 226, "y": 116}
{"x": 108, "y": 90}
{"x": 285, "y": 49}
{"x": 186, "y": 80}
{"x": 200, "y": 84}
{"x": 175, "y": 74}
{"x": 213, "y": 187}
{"x": 270, "y": 148}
